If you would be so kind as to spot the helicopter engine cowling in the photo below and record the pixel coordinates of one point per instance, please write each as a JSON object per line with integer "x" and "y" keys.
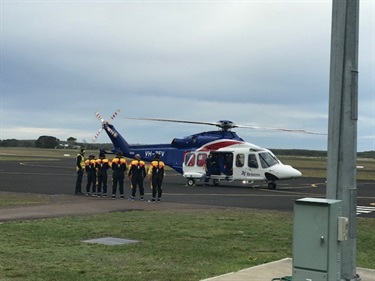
{"x": 195, "y": 141}
{"x": 183, "y": 143}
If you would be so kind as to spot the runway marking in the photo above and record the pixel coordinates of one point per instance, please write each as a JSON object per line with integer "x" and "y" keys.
{"x": 365, "y": 210}
{"x": 318, "y": 184}
{"x": 235, "y": 194}
{"x": 34, "y": 164}
{"x": 40, "y": 174}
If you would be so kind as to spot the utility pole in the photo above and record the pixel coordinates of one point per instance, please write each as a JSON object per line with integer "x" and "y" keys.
{"x": 342, "y": 124}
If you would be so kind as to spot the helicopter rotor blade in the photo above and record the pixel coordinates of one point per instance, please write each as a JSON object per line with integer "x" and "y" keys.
{"x": 227, "y": 125}
{"x": 224, "y": 125}
{"x": 173, "y": 120}
{"x": 115, "y": 114}
{"x": 101, "y": 119}
{"x": 280, "y": 129}
{"x": 97, "y": 134}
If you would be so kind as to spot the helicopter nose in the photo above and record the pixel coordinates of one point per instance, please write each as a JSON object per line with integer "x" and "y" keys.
{"x": 292, "y": 172}
{"x": 283, "y": 172}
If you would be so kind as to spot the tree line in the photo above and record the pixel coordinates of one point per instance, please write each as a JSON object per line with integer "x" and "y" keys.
{"x": 41, "y": 142}
{"x": 52, "y": 142}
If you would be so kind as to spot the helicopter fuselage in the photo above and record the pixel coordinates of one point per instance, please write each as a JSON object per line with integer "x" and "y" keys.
{"x": 235, "y": 159}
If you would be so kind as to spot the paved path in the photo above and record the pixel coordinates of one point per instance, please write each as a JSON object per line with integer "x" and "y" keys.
{"x": 72, "y": 205}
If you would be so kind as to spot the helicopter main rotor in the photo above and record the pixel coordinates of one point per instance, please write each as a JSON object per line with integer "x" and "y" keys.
{"x": 226, "y": 125}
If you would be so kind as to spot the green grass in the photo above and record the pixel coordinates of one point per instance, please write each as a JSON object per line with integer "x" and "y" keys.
{"x": 16, "y": 199}
{"x": 9, "y": 199}
{"x": 317, "y": 167}
{"x": 173, "y": 245}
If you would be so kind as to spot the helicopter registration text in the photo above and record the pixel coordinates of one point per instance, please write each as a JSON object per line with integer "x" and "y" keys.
{"x": 152, "y": 153}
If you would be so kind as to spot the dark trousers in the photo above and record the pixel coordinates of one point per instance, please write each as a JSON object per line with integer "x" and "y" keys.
{"x": 79, "y": 181}
{"x": 207, "y": 177}
{"x": 102, "y": 180}
{"x": 156, "y": 187}
{"x": 120, "y": 180}
{"x": 91, "y": 181}
{"x": 138, "y": 182}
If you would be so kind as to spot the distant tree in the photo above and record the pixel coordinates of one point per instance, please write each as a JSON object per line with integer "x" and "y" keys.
{"x": 71, "y": 140}
{"x": 10, "y": 143}
{"x": 46, "y": 142}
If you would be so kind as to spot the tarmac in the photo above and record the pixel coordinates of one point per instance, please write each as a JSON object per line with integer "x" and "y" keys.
{"x": 66, "y": 205}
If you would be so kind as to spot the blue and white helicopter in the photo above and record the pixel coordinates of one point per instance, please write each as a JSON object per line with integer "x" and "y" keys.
{"x": 236, "y": 160}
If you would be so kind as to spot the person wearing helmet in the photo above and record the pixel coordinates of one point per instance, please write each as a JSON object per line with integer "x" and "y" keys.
{"x": 80, "y": 166}
{"x": 118, "y": 165}
{"x": 137, "y": 173}
{"x": 156, "y": 176}
{"x": 91, "y": 175}
{"x": 102, "y": 165}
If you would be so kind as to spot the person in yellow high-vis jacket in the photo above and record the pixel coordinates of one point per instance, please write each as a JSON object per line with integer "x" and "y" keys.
{"x": 80, "y": 167}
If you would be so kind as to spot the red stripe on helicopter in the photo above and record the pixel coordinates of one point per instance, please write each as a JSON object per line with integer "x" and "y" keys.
{"x": 219, "y": 144}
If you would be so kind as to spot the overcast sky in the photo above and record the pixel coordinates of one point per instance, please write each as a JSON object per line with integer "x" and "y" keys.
{"x": 251, "y": 62}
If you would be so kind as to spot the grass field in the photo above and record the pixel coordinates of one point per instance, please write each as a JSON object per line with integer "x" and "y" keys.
{"x": 173, "y": 245}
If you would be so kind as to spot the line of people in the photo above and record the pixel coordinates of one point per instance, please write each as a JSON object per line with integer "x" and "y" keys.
{"x": 97, "y": 175}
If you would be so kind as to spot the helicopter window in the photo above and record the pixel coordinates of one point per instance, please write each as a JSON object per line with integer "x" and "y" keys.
{"x": 189, "y": 159}
{"x": 201, "y": 161}
{"x": 240, "y": 159}
{"x": 267, "y": 160}
{"x": 252, "y": 162}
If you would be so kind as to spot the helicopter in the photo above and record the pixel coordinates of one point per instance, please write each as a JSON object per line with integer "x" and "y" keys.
{"x": 236, "y": 159}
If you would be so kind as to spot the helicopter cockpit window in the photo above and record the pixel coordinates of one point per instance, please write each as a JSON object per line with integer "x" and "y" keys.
{"x": 267, "y": 159}
{"x": 201, "y": 159}
{"x": 240, "y": 159}
{"x": 253, "y": 163}
{"x": 189, "y": 159}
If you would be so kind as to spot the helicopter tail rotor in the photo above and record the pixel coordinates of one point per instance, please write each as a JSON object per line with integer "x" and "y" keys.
{"x": 105, "y": 125}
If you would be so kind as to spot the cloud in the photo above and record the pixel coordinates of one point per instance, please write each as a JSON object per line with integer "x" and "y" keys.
{"x": 252, "y": 62}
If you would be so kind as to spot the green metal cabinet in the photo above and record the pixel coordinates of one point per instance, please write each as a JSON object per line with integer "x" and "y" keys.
{"x": 316, "y": 254}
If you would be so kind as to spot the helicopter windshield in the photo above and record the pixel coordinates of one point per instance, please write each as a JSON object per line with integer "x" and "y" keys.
{"x": 267, "y": 159}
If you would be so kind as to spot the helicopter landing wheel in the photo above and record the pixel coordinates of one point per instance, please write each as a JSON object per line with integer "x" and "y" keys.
{"x": 190, "y": 182}
{"x": 272, "y": 185}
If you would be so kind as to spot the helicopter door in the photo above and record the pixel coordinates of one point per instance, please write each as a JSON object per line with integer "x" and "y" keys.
{"x": 223, "y": 163}
{"x": 247, "y": 167}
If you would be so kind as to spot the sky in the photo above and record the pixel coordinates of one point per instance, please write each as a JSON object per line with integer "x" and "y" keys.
{"x": 263, "y": 63}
